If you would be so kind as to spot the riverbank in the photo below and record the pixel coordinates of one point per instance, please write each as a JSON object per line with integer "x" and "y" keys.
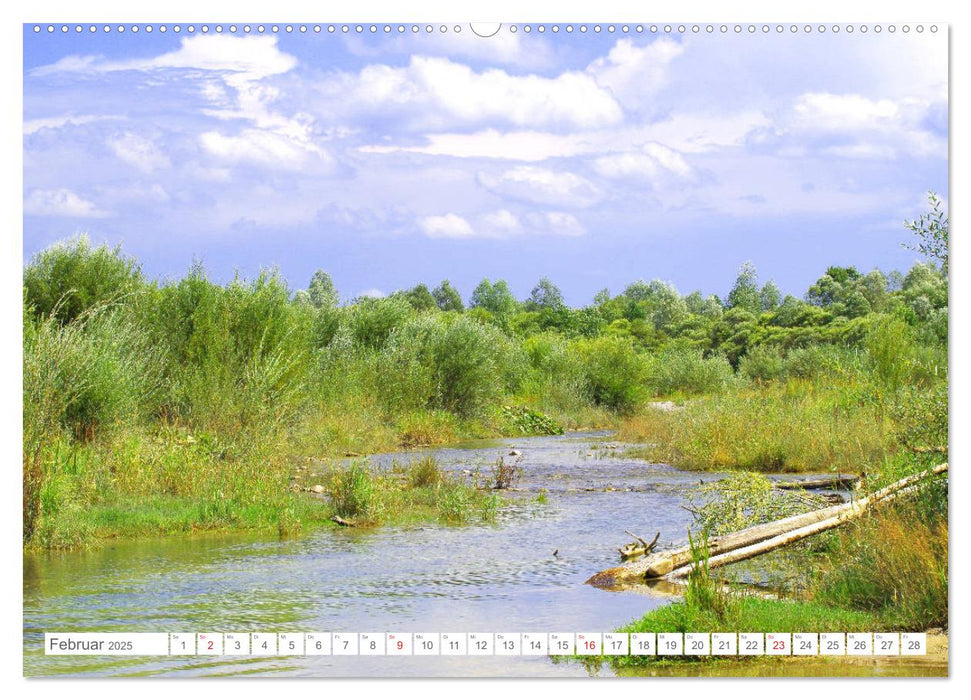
{"x": 173, "y": 481}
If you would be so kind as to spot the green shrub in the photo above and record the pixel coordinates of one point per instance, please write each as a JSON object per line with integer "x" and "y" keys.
{"x": 530, "y": 422}
{"x": 372, "y": 321}
{"x": 688, "y": 371}
{"x": 352, "y": 492}
{"x": 68, "y": 278}
{"x": 615, "y": 372}
{"x": 453, "y": 364}
{"x": 89, "y": 374}
{"x": 425, "y": 473}
{"x": 890, "y": 348}
{"x": 763, "y": 363}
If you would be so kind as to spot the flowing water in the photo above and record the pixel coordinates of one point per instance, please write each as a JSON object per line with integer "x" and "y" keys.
{"x": 500, "y": 577}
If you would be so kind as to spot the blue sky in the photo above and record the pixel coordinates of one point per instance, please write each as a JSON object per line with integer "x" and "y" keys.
{"x": 387, "y": 159}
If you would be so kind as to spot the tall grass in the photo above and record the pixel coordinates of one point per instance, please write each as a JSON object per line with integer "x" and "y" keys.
{"x": 893, "y": 563}
{"x": 782, "y": 427}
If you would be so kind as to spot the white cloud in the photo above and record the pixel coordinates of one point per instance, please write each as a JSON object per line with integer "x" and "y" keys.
{"x": 556, "y": 223}
{"x": 682, "y": 132}
{"x": 60, "y": 202}
{"x": 823, "y": 110}
{"x": 503, "y": 222}
{"x": 32, "y": 126}
{"x": 652, "y": 162}
{"x": 633, "y": 73}
{"x": 252, "y": 56}
{"x": 439, "y": 91}
{"x": 138, "y": 151}
{"x": 263, "y": 147}
{"x": 447, "y": 226}
{"x": 543, "y": 186}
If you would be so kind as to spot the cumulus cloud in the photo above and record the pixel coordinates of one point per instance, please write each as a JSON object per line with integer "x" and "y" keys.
{"x": 823, "y": 110}
{"x": 433, "y": 90}
{"x": 262, "y": 147}
{"x": 501, "y": 224}
{"x": 446, "y": 226}
{"x": 633, "y": 73}
{"x": 855, "y": 126}
{"x": 138, "y": 151}
{"x": 652, "y": 162}
{"x": 542, "y": 186}
{"x": 60, "y": 202}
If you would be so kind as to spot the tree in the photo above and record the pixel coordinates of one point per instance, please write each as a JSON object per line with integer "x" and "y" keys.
{"x": 420, "y": 298}
{"x": 546, "y": 295}
{"x": 602, "y": 297}
{"x": 495, "y": 298}
{"x": 931, "y": 229}
{"x": 322, "y": 292}
{"x": 745, "y": 292}
{"x": 447, "y": 297}
{"x": 770, "y": 296}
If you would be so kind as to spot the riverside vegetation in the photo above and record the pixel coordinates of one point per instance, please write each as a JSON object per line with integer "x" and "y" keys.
{"x": 163, "y": 407}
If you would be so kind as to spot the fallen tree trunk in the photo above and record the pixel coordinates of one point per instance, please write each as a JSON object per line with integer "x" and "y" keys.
{"x": 770, "y": 535}
{"x": 833, "y": 482}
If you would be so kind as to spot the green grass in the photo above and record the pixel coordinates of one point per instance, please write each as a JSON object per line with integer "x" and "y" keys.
{"x": 792, "y": 426}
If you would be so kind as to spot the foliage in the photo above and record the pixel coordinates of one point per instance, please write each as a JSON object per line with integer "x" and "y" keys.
{"x": 614, "y": 370}
{"x": 530, "y": 422}
{"x": 447, "y": 297}
{"x": 931, "y": 229}
{"x": 688, "y": 371}
{"x": 352, "y": 492}
{"x": 69, "y": 278}
{"x": 322, "y": 294}
{"x": 425, "y": 472}
{"x": 743, "y": 499}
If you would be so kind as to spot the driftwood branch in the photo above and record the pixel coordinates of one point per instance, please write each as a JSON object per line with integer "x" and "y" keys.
{"x": 638, "y": 548}
{"x": 343, "y": 523}
{"x": 757, "y": 539}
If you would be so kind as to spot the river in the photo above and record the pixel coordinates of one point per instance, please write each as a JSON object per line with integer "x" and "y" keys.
{"x": 497, "y": 577}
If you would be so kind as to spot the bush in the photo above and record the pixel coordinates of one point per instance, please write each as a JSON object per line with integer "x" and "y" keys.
{"x": 425, "y": 473}
{"x": 372, "y": 321}
{"x": 89, "y": 374}
{"x": 69, "y": 278}
{"x": 688, "y": 371}
{"x": 453, "y": 364}
{"x": 615, "y": 372}
{"x": 818, "y": 361}
{"x": 890, "y": 347}
{"x": 352, "y": 492}
{"x": 763, "y": 364}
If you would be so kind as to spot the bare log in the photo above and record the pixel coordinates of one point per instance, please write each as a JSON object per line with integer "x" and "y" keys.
{"x": 660, "y": 564}
{"x": 343, "y": 523}
{"x": 832, "y": 482}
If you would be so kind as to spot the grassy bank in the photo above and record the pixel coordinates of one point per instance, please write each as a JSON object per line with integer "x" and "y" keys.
{"x": 840, "y": 416}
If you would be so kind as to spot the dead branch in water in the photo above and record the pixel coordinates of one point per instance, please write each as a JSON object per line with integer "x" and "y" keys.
{"x": 757, "y": 539}
{"x": 639, "y": 547}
